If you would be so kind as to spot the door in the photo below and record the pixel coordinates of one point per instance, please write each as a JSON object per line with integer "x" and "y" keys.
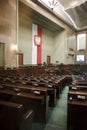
{"x": 2, "y": 56}
{"x": 48, "y": 59}
{"x": 20, "y": 59}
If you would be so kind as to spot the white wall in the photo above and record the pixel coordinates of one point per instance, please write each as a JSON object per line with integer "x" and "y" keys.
{"x": 8, "y": 28}
{"x": 59, "y": 47}
{"x": 25, "y": 40}
{"x": 47, "y": 44}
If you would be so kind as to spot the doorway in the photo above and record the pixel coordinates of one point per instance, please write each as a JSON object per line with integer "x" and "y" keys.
{"x": 20, "y": 59}
{"x": 48, "y": 59}
{"x": 2, "y": 54}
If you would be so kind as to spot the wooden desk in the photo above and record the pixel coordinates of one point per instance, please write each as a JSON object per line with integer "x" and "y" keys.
{"x": 77, "y": 115}
{"x": 78, "y": 88}
{"x": 53, "y": 92}
{"x": 27, "y": 88}
{"x": 77, "y": 110}
{"x": 38, "y": 103}
{"x": 12, "y": 116}
{"x": 84, "y": 83}
{"x": 77, "y": 95}
{"x": 22, "y": 94}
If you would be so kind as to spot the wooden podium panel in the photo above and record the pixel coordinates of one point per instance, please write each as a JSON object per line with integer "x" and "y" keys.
{"x": 77, "y": 110}
{"x": 77, "y": 115}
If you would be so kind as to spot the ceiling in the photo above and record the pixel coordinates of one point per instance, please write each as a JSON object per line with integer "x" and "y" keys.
{"x": 77, "y": 10}
{"x": 73, "y": 12}
{"x": 25, "y": 12}
{"x": 71, "y": 3}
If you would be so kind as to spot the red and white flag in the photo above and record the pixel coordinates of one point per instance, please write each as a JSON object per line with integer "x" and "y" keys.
{"x": 36, "y": 44}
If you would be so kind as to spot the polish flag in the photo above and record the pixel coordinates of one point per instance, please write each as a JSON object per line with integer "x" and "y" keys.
{"x": 36, "y": 44}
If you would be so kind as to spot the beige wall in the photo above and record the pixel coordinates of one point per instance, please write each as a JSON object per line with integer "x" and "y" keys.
{"x": 2, "y": 62}
{"x": 25, "y": 40}
{"x": 47, "y": 44}
{"x": 8, "y": 28}
{"x": 71, "y": 46}
{"x": 59, "y": 47}
{"x": 59, "y": 44}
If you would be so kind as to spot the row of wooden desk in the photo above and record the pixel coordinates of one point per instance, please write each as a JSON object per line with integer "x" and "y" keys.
{"x": 77, "y": 106}
{"x": 37, "y": 96}
{"x": 37, "y": 102}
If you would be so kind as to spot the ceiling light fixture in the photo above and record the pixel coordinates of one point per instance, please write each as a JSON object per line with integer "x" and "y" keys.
{"x": 53, "y": 4}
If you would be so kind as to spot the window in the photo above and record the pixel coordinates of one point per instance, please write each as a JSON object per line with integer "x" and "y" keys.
{"x": 80, "y": 58}
{"x": 81, "y": 42}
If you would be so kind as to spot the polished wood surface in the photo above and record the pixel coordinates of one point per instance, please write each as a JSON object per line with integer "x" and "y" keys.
{"x": 12, "y": 115}
{"x": 22, "y": 94}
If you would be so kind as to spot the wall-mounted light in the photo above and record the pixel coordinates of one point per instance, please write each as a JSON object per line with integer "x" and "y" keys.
{"x": 14, "y": 47}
